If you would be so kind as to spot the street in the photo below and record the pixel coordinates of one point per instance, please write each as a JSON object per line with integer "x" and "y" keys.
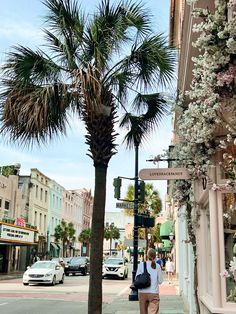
{"x": 72, "y": 296}
{"x": 38, "y": 299}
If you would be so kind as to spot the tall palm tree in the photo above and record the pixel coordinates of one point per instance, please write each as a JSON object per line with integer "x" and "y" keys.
{"x": 111, "y": 232}
{"x": 84, "y": 238}
{"x": 64, "y": 232}
{"x": 88, "y": 68}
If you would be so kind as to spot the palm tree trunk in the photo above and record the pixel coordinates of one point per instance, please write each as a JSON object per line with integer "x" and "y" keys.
{"x": 97, "y": 235}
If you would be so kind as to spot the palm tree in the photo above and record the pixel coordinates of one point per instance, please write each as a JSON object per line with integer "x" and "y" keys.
{"x": 111, "y": 232}
{"x": 85, "y": 237}
{"x": 151, "y": 203}
{"x": 90, "y": 65}
{"x": 64, "y": 232}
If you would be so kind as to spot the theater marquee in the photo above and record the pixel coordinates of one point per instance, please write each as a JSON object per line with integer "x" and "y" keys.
{"x": 15, "y": 234}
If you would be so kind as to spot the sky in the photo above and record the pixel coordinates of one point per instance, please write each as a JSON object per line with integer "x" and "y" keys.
{"x": 64, "y": 159}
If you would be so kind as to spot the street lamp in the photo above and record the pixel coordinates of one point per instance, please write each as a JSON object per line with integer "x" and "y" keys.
{"x": 171, "y": 236}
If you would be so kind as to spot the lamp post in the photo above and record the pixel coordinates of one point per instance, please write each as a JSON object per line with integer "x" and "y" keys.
{"x": 149, "y": 238}
{"x": 133, "y": 296}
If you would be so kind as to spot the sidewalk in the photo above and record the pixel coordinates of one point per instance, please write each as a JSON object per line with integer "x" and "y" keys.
{"x": 171, "y": 302}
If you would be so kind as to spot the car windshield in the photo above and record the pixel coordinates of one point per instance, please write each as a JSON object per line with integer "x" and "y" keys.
{"x": 45, "y": 264}
{"x": 79, "y": 260}
{"x": 113, "y": 261}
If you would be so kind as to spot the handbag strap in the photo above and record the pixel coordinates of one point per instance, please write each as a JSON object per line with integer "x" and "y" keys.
{"x": 145, "y": 267}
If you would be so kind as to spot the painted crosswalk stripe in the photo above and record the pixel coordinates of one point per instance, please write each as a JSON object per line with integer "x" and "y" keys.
{"x": 3, "y": 304}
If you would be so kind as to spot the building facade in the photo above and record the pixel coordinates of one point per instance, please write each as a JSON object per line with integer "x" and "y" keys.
{"x": 205, "y": 122}
{"x": 30, "y": 208}
{"x": 17, "y": 238}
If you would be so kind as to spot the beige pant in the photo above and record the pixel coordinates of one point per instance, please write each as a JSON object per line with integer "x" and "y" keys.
{"x": 149, "y": 303}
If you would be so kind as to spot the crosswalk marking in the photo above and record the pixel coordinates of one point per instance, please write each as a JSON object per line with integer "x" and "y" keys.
{"x": 3, "y": 304}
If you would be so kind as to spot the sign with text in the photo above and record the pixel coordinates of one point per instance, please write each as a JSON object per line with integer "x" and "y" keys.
{"x": 16, "y": 234}
{"x": 164, "y": 174}
{"x": 125, "y": 205}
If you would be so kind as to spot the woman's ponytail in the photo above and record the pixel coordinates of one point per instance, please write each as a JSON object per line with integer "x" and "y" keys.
{"x": 151, "y": 254}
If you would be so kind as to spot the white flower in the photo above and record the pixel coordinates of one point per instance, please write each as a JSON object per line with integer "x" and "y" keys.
{"x": 224, "y": 274}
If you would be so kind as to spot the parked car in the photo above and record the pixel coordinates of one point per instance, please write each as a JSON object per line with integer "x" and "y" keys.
{"x": 49, "y": 272}
{"x": 114, "y": 266}
{"x": 77, "y": 265}
{"x": 63, "y": 261}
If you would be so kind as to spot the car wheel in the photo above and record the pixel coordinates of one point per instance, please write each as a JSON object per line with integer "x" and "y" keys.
{"x": 126, "y": 275}
{"x": 62, "y": 279}
{"x": 67, "y": 274}
{"x": 85, "y": 272}
{"x": 54, "y": 281}
{"x": 123, "y": 278}
{"x": 25, "y": 283}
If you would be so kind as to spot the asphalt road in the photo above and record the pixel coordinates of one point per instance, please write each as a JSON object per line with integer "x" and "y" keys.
{"x": 68, "y": 298}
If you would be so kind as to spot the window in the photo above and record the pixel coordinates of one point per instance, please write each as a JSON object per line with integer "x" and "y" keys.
{"x": 41, "y": 194}
{"x": 46, "y": 196}
{"x": 36, "y": 191}
{"x": 0, "y": 202}
{"x": 229, "y": 225}
{"x": 35, "y": 218}
{"x": 7, "y": 205}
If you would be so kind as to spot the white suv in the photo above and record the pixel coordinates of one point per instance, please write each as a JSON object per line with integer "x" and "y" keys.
{"x": 115, "y": 266}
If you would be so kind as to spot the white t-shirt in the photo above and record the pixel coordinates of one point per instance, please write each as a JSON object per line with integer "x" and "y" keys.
{"x": 156, "y": 277}
{"x": 170, "y": 266}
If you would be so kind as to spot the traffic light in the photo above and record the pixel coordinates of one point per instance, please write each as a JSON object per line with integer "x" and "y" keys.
{"x": 141, "y": 191}
{"x": 148, "y": 222}
{"x": 117, "y": 186}
{"x": 144, "y": 221}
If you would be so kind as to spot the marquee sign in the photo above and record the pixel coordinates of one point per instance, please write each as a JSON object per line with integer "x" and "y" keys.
{"x": 14, "y": 234}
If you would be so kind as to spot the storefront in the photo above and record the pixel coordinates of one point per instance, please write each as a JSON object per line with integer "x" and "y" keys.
{"x": 217, "y": 245}
{"x": 18, "y": 245}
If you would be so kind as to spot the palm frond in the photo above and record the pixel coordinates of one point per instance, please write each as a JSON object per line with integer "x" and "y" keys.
{"x": 26, "y": 66}
{"x": 155, "y": 104}
{"x": 152, "y": 62}
{"x": 139, "y": 18}
{"x": 65, "y": 17}
{"x": 35, "y": 113}
{"x": 67, "y": 22}
{"x": 141, "y": 126}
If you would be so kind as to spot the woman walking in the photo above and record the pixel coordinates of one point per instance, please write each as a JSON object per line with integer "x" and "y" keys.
{"x": 169, "y": 270}
{"x": 149, "y": 297}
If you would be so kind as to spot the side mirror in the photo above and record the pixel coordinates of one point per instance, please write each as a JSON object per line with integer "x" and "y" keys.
{"x": 58, "y": 267}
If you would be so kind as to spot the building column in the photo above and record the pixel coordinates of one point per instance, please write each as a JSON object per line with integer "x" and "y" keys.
{"x": 215, "y": 251}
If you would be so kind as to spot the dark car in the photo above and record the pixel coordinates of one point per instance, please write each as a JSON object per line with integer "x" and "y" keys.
{"x": 77, "y": 265}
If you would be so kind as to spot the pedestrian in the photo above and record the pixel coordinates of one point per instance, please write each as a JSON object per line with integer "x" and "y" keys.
{"x": 159, "y": 261}
{"x": 169, "y": 270}
{"x": 149, "y": 298}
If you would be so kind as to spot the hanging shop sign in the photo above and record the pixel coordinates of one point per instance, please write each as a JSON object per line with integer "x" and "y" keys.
{"x": 14, "y": 234}
{"x": 164, "y": 174}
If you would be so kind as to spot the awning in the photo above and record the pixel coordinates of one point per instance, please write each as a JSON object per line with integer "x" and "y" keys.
{"x": 54, "y": 246}
{"x": 166, "y": 228}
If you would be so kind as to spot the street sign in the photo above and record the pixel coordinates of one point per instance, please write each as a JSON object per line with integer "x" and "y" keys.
{"x": 164, "y": 174}
{"x": 125, "y": 205}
